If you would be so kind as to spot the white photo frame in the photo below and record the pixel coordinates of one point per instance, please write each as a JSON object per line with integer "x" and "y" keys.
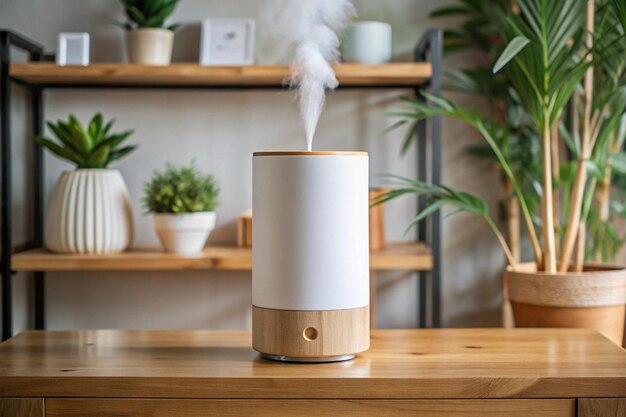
{"x": 73, "y": 49}
{"x": 227, "y": 42}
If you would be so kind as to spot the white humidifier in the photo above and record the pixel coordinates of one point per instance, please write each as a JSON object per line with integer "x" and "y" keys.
{"x": 310, "y": 274}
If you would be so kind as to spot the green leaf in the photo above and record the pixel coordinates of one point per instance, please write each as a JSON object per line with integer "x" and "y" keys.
{"x": 114, "y": 141}
{"x": 174, "y": 27}
{"x": 95, "y": 128}
{"x": 619, "y": 6}
{"x": 64, "y": 136}
{"x": 512, "y": 49}
{"x": 135, "y": 15}
{"x": 61, "y": 152}
{"x": 163, "y": 13}
{"x": 154, "y": 22}
{"x": 431, "y": 208}
{"x": 81, "y": 138}
{"x": 448, "y": 11}
{"x": 567, "y": 172}
{"x": 594, "y": 170}
{"x": 123, "y": 25}
{"x": 395, "y": 125}
{"x": 99, "y": 158}
{"x": 618, "y": 163}
{"x": 408, "y": 138}
{"x": 152, "y": 6}
{"x": 120, "y": 153}
{"x": 107, "y": 127}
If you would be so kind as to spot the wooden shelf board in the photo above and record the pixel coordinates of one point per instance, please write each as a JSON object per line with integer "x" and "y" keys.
{"x": 50, "y": 74}
{"x": 398, "y": 256}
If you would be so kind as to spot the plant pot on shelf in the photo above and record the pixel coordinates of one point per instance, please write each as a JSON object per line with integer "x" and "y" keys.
{"x": 90, "y": 213}
{"x": 593, "y": 299}
{"x": 149, "y": 46}
{"x": 186, "y": 233}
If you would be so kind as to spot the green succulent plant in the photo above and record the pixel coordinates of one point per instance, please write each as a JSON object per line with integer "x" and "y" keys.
{"x": 90, "y": 148}
{"x": 148, "y": 14}
{"x": 180, "y": 190}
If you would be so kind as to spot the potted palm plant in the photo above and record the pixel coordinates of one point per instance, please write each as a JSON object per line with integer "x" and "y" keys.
{"x": 552, "y": 51}
{"x": 148, "y": 40}
{"x": 90, "y": 210}
{"x": 183, "y": 202}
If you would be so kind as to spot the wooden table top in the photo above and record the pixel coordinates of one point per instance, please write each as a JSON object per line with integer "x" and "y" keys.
{"x": 429, "y": 363}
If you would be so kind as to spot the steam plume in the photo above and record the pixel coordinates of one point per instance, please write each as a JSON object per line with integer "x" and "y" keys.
{"x": 306, "y": 29}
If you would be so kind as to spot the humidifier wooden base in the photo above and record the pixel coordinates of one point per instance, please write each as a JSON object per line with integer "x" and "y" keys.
{"x": 310, "y": 336}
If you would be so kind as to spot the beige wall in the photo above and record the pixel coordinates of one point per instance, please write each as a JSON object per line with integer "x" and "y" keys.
{"x": 220, "y": 130}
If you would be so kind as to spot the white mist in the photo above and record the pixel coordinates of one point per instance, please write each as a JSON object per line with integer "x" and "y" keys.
{"x": 307, "y": 31}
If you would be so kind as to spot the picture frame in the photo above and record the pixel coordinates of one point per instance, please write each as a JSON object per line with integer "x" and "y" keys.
{"x": 73, "y": 49}
{"x": 227, "y": 42}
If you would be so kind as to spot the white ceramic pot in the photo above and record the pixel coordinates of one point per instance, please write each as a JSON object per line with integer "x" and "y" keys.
{"x": 186, "y": 233}
{"x": 149, "y": 46}
{"x": 367, "y": 43}
{"x": 90, "y": 213}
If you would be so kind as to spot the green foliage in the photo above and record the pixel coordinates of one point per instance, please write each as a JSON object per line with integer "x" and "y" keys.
{"x": 438, "y": 107}
{"x": 438, "y": 196}
{"x": 620, "y": 12}
{"x": 539, "y": 56}
{"x": 543, "y": 68}
{"x": 604, "y": 240}
{"x": 481, "y": 30}
{"x": 148, "y": 13}
{"x": 608, "y": 109}
{"x": 93, "y": 147}
{"x": 180, "y": 190}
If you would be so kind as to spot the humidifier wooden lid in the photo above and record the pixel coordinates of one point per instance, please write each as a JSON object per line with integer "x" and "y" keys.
{"x": 312, "y": 153}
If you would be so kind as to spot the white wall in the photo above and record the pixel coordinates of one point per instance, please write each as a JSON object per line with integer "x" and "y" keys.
{"x": 220, "y": 130}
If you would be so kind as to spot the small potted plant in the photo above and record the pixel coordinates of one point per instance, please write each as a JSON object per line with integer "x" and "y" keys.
{"x": 148, "y": 40}
{"x": 90, "y": 210}
{"x": 183, "y": 202}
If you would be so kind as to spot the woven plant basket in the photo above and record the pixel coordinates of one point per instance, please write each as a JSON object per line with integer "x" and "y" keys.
{"x": 594, "y": 298}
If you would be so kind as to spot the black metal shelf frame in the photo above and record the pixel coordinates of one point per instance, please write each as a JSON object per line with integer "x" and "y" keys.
{"x": 428, "y": 49}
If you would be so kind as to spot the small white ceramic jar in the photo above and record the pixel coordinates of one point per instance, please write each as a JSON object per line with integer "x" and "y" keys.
{"x": 367, "y": 43}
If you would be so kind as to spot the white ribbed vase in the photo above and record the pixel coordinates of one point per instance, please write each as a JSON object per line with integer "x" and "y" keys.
{"x": 89, "y": 213}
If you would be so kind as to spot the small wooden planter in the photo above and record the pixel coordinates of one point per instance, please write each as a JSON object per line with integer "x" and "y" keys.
{"x": 595, "y": 298}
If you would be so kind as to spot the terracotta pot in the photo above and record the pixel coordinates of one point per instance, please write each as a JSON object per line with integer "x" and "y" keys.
{"x": 89, "y": 213}
{"x": 149, "y": 46}
{"x": 592, "y": 299}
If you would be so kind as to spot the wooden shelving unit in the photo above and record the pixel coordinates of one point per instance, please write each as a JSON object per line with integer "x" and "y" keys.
{"x": 39, "y": 76}
{"x": 412, "y": 256}
{"x": 180, "y": 75}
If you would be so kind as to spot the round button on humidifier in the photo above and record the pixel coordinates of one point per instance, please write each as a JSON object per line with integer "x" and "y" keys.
{"x": 310, "y": 273}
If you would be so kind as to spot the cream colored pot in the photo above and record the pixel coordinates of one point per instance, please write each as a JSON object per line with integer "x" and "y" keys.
{"x": 149, "y": 46}
{"x": 89, "y": 213}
